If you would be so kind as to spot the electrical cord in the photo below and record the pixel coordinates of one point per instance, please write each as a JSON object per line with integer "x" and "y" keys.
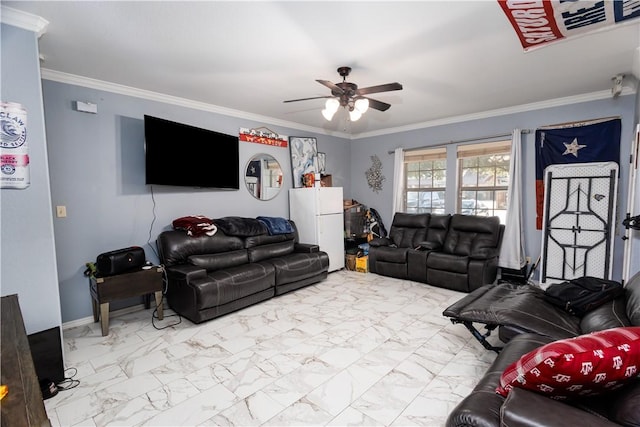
{"x": 154, "y": 315}
{"x": 153, "y": 220}
{"x": 68, "y": 382}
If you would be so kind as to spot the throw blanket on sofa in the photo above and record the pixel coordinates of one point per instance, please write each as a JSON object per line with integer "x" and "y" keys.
{"x": 196, "y": 225}
{"x": 276, "y": 225}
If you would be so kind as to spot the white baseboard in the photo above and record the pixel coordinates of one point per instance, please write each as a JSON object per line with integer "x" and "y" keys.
{"x": 88, "y": 320}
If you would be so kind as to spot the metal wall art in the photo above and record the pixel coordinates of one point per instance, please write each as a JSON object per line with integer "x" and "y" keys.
{"x": 374, "y": 174}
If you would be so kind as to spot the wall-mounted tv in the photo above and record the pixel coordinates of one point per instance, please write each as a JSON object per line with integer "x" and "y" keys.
{"x": 187, "y": 156}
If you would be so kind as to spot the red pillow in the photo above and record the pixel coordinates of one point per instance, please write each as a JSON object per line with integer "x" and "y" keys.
{"x": 587, "y": 365}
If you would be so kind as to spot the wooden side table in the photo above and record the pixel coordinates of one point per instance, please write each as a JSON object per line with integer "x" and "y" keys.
{"x": 126, "y": 285}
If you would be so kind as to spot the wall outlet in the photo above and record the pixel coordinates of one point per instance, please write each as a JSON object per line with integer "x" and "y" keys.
{"x": 61, "y": 211}
{"x": 528, "y": 260}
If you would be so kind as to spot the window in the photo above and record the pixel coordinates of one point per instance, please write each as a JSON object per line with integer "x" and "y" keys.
{"x": 425, "y": 180}
{"x": 483, "y": 179}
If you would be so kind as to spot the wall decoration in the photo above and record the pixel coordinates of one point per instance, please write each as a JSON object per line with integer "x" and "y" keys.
{"x": 304, "y": 158}
{"x": 14, "y": 153}
{"x": 322, "y": 163}
{"x": 557, "y": 20}
{"x": 576, "y": 142}
{"x": 374, "y": 174}
{"x": 263, "y": 135}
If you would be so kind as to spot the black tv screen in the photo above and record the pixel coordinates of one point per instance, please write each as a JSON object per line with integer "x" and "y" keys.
{"x": 187, "y": 156}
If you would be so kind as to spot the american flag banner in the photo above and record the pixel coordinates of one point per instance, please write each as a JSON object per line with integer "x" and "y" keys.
{"x": 540, "y": 22}
{"x": 577, "y": 142}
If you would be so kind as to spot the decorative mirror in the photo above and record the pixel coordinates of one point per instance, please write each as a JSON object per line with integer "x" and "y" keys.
{"x": 263, "y": 177}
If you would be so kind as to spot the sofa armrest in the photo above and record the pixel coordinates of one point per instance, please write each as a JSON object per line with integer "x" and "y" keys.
{"x": 306, "y": 248}
{"x": 380, "y": 241}
{"x": 526, "y": 408}
{"x": 185, "y": 272}
{"x": 484, "y": 253}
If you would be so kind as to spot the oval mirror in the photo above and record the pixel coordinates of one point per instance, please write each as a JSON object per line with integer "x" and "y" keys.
{"x": 263, "y": 177}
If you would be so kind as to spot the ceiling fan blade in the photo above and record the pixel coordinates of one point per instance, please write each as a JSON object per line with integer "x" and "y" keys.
{"x": 306, "y": 99}
{"x": 380, "y": 88}
{"x": 378, "y": 105}
{"x": 331, "y": 86}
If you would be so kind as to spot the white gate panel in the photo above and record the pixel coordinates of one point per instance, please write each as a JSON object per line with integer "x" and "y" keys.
{"x": 579, "y": 221}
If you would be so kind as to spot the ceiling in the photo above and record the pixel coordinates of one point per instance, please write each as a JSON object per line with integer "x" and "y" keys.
{"x": 454, "y": 58}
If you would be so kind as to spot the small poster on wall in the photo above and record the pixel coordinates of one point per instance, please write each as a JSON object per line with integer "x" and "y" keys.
{"x": 14, "y": 154}
{"x": 304, "y": 158}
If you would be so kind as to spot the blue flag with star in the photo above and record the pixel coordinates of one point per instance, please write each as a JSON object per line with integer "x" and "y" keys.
{"x": 579, "y": 142}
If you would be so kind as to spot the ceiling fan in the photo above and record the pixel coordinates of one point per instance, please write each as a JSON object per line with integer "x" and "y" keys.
{"x": 346, "y": 94}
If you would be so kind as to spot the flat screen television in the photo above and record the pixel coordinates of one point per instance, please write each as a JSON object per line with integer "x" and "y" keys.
{"x": 181, "y": 155}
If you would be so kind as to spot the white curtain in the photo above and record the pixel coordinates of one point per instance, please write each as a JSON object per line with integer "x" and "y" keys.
{"x": 512, "y": 253}
{"x": 398, "y": 181}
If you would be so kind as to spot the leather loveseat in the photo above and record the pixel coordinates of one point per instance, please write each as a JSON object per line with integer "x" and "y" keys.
{"x": 458, "y": 252}
{"x": 484, "y": 407}
{"x": 240, "y": 265}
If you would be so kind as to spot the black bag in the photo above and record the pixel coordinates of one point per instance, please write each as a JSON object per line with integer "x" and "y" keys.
{"x": 581, "y": 295}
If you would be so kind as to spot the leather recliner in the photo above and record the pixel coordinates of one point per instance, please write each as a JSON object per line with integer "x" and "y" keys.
{"x": 458, "y": 252}
{"x": 483, "y": 407}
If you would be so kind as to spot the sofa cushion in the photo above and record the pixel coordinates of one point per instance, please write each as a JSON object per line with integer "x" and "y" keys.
{"x": 175, "y": 246}
{"x": 437, "y": 231}
{"x": 625, "y": 409}
{"x": 213, "y": 262}
{"x": 448, "y": 262}
{"x": 610, "y": 315}
{"x": 259, "y": 253}
{"x": 472, "y": 235}
{"x": 409, "y": 230}
{"x": 586, "y": 365}
{"x": 224, "y": 286}
{"x": 299, "y": 266}
{"x": 240, "y": 226}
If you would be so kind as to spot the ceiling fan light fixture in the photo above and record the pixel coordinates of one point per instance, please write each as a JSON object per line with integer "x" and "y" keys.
{"x": 328, "y": 114}
{"x": 354, "y": 115}
{"x": 362, "y": 105}
{"x": 330, "y": 108}
{"x": 332, "y": 105}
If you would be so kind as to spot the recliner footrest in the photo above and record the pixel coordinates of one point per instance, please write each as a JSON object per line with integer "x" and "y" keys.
{"x": 521, "y": 306}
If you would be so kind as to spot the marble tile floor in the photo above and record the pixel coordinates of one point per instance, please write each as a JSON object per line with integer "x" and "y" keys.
{"x": 355, "y": 349}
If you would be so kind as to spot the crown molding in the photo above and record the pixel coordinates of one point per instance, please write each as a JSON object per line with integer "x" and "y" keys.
{"x": 557, "y": 102}
{"x": 24, "y": 20}
{"x": 72, "y": 79}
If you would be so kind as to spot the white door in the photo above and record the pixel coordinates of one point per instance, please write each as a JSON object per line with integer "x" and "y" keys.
{"x": 330, "y": 200}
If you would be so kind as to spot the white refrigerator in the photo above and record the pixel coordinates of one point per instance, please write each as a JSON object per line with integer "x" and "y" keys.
{"x": 319, "y": 217}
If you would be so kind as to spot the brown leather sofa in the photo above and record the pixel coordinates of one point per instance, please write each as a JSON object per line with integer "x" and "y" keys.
{"x": 483, "y": 407}
{"x": 240, "y": 265}
{"x": 458, "y": 252}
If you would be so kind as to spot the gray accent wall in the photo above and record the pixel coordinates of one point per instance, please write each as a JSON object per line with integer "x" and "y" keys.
{"x": 28, "y": 266}
{"x": 98, "y": 173}
{"x": 362, "y": 149}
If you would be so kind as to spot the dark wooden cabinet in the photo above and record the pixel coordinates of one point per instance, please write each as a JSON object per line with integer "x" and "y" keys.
{"x": 23, "y": 404}
{"x": 127, "y": 285}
